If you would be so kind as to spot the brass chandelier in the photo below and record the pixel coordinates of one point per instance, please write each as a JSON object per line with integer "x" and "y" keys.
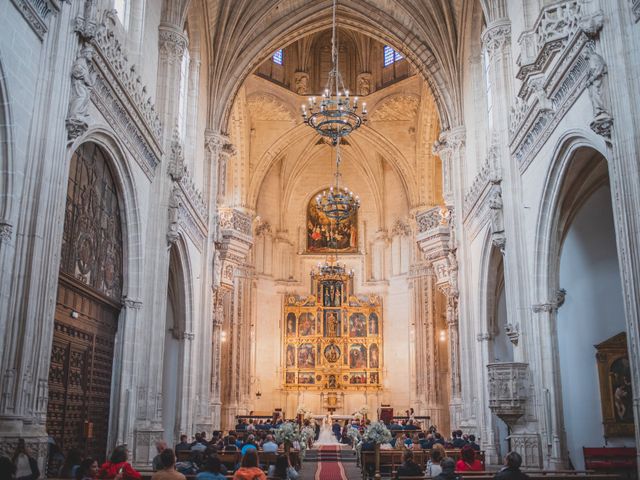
{"x": 336, "y": 115}
{"x": 337, "y": 202}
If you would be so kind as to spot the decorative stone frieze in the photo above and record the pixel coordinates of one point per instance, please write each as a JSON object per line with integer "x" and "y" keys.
{"x": 102, "y": 73}
{"x": 508, "y": 390}
{"x": 556, "y": 64}
{"x": 112, "y": 53}
{"x": 37, "y": 13}
{"x": 131, "y": 303}
{"x": 233, "y": 219}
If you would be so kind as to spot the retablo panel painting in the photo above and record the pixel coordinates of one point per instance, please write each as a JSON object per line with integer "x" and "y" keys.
{"x": 326, "y": 236}
{"x": 337, "y": 344}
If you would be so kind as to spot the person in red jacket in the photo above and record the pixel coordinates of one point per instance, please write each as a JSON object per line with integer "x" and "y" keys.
{"x": 117, "y": 467}
{"x": 468, "y": 461}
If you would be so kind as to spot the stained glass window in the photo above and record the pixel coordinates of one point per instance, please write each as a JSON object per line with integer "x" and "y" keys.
{"x": 391, "y": 56}
{"x": 278, "y": 57}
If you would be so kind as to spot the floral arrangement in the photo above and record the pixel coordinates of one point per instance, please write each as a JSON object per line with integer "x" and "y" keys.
{"x": 302, "y": 410}
{"x": 358, "y": 416}
{"x": 354, "y": 435}
{"x": 307, "y": 435}
{"x": 377, "y": 433}
{"x": 363, "y": 410}
{"x": 288, "y": 432}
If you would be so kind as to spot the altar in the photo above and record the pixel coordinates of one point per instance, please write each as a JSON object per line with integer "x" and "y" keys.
{"x": 332, "y": 339}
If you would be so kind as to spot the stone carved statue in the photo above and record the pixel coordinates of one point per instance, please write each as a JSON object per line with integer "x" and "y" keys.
{"x": 364, "y": 84}
{"x": 301, "y": 80}
{"x": 597, "y": 73}
{"x": 175, "y": 201}
{"x": 83, "y": 80}
{"x": 497, "y": 219}
{"x": 217, "y": 269}
{"x": 495, "y": 205}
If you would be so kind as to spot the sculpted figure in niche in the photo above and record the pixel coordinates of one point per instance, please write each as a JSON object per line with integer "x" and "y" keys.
{"x": 82, "y": 82}
{"x": 495, "y": 205}
{"x": 597, "y": 72}
{"x": 364, "y": 84}
{"x": 301, "y": 80}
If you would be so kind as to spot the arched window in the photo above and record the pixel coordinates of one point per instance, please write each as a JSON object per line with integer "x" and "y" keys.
{"x": 390, "y": 56}
{"x": 278, "y": 57}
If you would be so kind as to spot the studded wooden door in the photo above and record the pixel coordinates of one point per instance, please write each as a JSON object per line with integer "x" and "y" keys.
{"x": 87, "y": 307}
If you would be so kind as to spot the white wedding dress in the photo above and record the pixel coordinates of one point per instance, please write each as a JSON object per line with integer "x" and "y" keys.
{"x": 326, "y": 436}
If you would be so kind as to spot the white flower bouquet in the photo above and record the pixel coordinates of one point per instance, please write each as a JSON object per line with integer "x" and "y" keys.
{"x": 288, "y": 432}
{"x": 363, "y": 410}
{"x": 378, "y": 433}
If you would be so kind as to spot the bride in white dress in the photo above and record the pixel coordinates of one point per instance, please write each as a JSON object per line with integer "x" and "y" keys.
{"x": 326, "y": 434}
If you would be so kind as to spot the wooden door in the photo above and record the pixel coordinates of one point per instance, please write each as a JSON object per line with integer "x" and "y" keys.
{"x": 87, "y": 307}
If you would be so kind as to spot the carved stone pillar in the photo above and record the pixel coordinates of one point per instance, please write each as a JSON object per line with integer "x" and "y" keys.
{"x": 235, "y": 242}
{"x": 435, "y": 239}
{"x": 218, "y": 295}
{"x": 450, "y": 149}
{"x": 431, "y": 397}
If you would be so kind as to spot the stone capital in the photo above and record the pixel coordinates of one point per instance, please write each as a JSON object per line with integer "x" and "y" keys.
{"x": 172, "y": 43}
{"x": 496, "y": 36}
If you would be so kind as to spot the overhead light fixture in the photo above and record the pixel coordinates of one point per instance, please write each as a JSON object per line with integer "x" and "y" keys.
{"x": 337, "y": 202}
{"x": 335, "y": 115}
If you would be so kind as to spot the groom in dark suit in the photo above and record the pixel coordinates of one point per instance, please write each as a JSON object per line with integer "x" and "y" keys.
{"x": 337, "y": 430}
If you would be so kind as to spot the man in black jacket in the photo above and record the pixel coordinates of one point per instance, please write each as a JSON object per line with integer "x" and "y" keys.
{"x": 448, "y": 470}
{"x": 511, "y": 470}
{"x": 409, "y": 468}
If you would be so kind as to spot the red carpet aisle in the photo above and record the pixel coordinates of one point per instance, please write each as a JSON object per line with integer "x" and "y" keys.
{"x": 329, "y": 465}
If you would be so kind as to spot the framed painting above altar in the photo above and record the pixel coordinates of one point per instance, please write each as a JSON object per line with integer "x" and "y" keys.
{"x": 327, "y": 236}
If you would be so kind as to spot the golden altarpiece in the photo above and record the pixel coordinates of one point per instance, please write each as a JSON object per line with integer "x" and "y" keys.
{"x": 332, "y": 340}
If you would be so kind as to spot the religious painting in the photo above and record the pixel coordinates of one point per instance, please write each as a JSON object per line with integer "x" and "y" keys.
{"x": 373, "y": 324}
{"x": 374, "y": 356}
{"x": 307, "y": 324}
{"x": 358, "y": 378}
{"x": 332, "y": 294}
{"x": 332, "y": 353}
{"x": 306, "y": 356}
{"x": 620, "y": 375}
{"x": 306, "y": 378}
{"x": 358, "y": 356}
{"x": 327, "y": 236}
{"x": 332, "y": 323}
{"x": 357, "y": 325}
{"x": 332, "y": 382}
{"x": 614, "y": 372}
{"x": 374, "y": 378}
{"x": 291, "y": 324}
{"x": 291, "y": 377}
{"x": 291, "y": 356}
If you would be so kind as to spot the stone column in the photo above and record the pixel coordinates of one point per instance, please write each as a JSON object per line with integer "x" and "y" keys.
{"x": 236, "y": 239}
{"x": 435, "y": 239}
{"x": 505, "y": 201}
{"x": 624, "y": 171}
{"x": 148, "y": 426}
{"x": 218, "y": 295}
